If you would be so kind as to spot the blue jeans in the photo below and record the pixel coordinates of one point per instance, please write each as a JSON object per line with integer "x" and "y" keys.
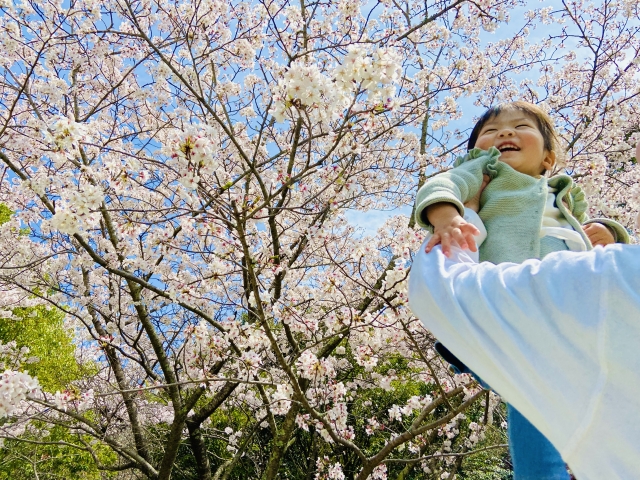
{"x": 533, "y": 456}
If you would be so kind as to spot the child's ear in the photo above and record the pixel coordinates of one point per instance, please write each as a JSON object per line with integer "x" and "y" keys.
{"x": 549, "y": 160}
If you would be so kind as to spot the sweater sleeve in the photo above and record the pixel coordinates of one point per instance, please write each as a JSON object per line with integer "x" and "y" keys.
{"x": 458, "y": 185}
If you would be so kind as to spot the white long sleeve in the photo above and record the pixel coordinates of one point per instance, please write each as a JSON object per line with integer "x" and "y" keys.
{"x": 559, "y": 339}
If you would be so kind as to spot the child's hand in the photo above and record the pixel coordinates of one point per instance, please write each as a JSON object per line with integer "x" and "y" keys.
{"x": 449, "y": 228}
{"x": 598, "y": 234}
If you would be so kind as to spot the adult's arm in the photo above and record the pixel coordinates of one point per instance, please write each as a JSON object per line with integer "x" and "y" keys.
{"x": 559, "y": 339}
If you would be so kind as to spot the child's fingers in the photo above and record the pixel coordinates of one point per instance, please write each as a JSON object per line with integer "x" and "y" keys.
{"x": 459, "y": 238}
{"x": 445, "y": 243}
{"x": 470, "y": 228}
{"x": 594, "y": 228}
{"x": 461, "y": 235}
{"x": 433, "y": 241}
{"x": 471, "y": 242}
{"x": 468, "y": 240}
{"x": 595, "y": 234}
{"x": 591, "y": 232}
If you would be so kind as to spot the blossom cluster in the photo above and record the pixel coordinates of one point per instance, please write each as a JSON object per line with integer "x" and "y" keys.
{"x": 78, "y": 210}
{"x": 376, "y": 73}
{"x": 14, "y": 388}
{"x": 324, "y": 96}
{"x": 73, "y": 399}
{"x": 207, "y": 348}
{"x": 193, "y": 153}
{"x": 65, "y": 134}
{"x": 311, "y": 367}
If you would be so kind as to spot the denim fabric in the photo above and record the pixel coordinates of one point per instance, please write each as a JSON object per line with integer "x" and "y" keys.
{"x": 533, "y": 456}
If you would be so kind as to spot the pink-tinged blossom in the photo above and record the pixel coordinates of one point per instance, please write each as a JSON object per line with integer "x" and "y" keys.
{"x": 372, "y": 426}
{"x": 70, "y": 399}
{"x": 303, "y": 421}
{"x": 309, "y": 366}
{"x": 251, "y": 361}
{"x": 335, "y": 472}
{"x": 365, "y": 357}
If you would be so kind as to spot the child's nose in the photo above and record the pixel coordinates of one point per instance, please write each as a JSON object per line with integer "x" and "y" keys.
{"x": 506, "y": 132}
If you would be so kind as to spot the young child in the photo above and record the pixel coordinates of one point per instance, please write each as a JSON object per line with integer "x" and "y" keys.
{"x": 526, "y": 215}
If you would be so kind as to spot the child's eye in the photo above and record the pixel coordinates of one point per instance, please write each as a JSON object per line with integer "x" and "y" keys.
{"x": 489, "y": 130}
{"x": 522, "y": 125}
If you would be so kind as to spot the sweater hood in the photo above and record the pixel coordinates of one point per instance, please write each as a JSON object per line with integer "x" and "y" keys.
{"x": 572, "y": 194}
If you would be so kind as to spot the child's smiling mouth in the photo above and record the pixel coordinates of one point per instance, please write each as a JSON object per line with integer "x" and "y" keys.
{"x": 508, "y": 147}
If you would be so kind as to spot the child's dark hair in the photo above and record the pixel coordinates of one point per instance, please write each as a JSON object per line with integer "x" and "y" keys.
{"x": 545, "y": 125}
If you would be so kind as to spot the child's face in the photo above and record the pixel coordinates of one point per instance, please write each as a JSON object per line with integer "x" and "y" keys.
{"x": 516, "y": 135}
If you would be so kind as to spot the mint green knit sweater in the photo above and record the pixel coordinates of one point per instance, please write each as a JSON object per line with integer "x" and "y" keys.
{"x": 511, "y": 206}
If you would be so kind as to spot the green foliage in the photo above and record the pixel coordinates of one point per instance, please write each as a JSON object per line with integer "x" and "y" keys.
{"x": 42, "y": 330}
{"x": 185, "y": 467}
{"x": 26, "y": 461}
{"x": 490, "y": 464}
{"x": 5, "y": 213}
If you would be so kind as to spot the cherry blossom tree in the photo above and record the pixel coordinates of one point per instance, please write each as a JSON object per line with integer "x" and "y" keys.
{"x": 180, "y": 175}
